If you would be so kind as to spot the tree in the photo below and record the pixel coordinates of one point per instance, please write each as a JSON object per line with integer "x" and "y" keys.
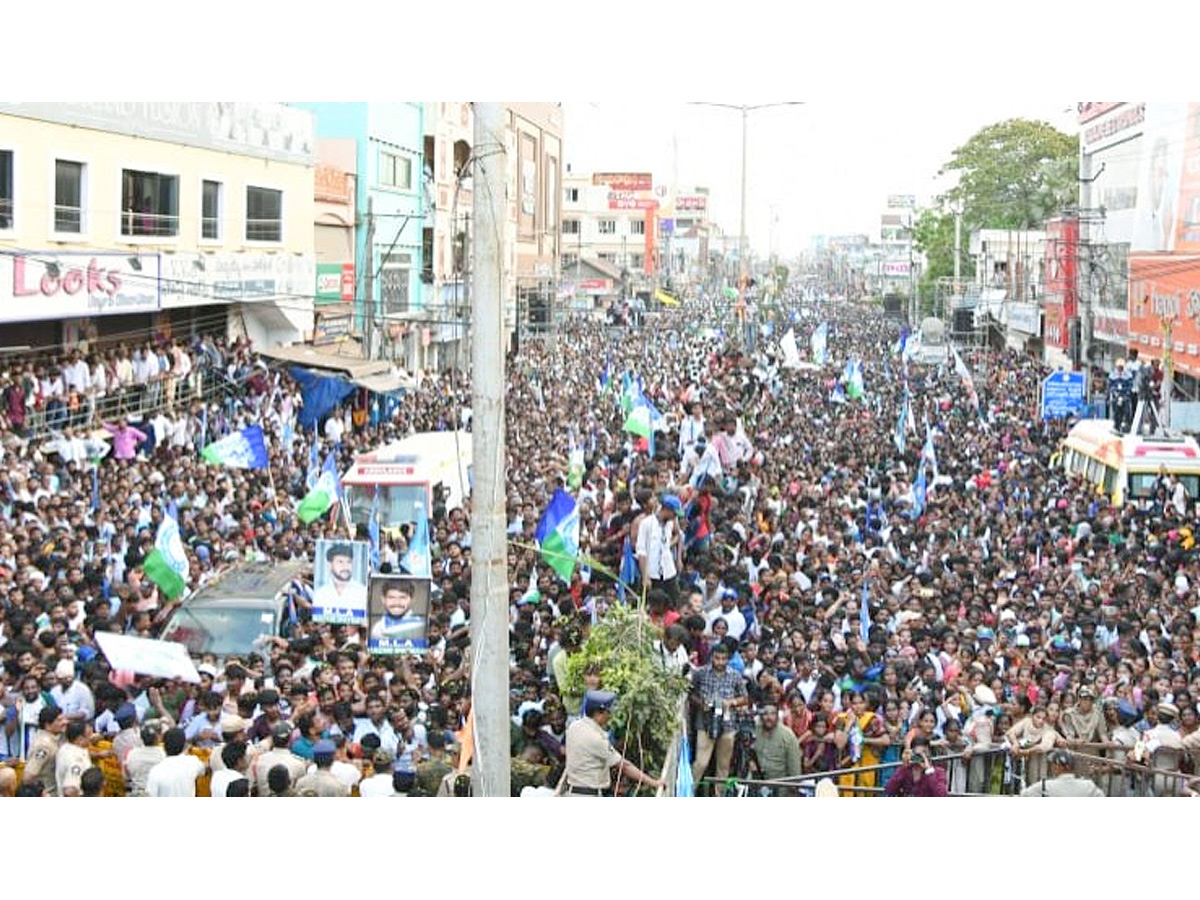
{"x": 1014, "y": 174}
{"x": 933, "y": 235}
{"x": 646, "y": 714}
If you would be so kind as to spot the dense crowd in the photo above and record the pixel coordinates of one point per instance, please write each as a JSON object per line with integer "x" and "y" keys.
{"x": 1017, "y": 614}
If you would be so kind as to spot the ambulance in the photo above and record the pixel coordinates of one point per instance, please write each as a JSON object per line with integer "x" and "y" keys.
{"x": 1125, "y": 467}
{"x": 431, "y": 468}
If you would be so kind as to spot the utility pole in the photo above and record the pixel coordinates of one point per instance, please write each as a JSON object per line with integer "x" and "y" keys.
{"x": 369, "y": 280}
{"x": 489, "y": 550}
{"x": 1083, "y": 265}
{"x": 742, "y": 226}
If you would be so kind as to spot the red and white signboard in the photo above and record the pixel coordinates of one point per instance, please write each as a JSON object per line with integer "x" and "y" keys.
{"x": 76, "y": 285}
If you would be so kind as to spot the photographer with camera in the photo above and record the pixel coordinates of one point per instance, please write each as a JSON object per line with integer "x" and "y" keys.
{"x": 1120, "y": 397}
{"x": 917, "y": 776}
{"x": 717, "y": 691}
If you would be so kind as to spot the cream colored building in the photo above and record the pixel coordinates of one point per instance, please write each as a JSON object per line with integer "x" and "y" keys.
{"x": 531, "y": 239}
{"x": 125, "y": 221}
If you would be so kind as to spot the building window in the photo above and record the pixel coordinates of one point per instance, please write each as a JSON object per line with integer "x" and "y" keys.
{"x": 607, "y": 257}
{"x": 151, "y": 204}
{"x": 637, "y": 226}
{"x": 607, "y": 226}
{"x": 427, "y": 255}
{"x": 637, "y": 261}
{"x": 6, "y": 189}
{"x": 264, "y": 214}
{"x": 395, "y": 171}
{"x": 569, "y": 260}
{"x": 393, "y": 282}
{"x": 210, "y": 211}
{"x": 68, "y": 197}
{"x": 572, "y": 195}
{"x": 570, "y": 226}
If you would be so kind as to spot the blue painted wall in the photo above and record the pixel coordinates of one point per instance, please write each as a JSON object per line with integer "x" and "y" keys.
{"x": 379, "y": 129}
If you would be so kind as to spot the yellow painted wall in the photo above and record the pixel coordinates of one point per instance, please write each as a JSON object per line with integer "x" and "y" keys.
{"x": 37, "y": 144}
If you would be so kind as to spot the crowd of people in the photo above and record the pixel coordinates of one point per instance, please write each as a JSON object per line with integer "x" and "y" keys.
{"x": 1010, "y": 613}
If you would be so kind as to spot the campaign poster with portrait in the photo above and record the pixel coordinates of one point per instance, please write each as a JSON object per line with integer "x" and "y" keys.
{"x": 340, "y": 582}
{"x": 399, "y": 614}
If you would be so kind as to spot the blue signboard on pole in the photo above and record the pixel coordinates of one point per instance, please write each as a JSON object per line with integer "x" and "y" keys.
{"x": 1064, "y": 394}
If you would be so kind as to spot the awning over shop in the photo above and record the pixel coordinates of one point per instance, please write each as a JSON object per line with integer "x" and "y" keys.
{"x": 386, "y": 383}
{"x": 314, "y": 358}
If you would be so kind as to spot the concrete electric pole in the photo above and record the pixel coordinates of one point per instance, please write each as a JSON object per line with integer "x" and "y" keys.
{"x": 369, "y": 281}
{"x": 489, "y": 550}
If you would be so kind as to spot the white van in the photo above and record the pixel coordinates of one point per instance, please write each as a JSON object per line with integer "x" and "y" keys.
{"x": 428, "y": 468}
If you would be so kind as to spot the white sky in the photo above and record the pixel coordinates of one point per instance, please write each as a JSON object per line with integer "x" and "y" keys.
{"x": 826, "y": 167}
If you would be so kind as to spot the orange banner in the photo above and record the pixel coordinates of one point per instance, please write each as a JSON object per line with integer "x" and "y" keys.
{"x": 1164, "y": 296}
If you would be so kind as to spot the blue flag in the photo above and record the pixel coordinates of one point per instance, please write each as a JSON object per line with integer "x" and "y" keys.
{"x": 928, "y": 453}
{"x": 244, "y": 449}
{"x": 330, "y": 466}
{"x": 920, "y": 489}
{"x": 416, "y": 559}
{"x": 900, "y": 425}
{"x": 864, "y": 613}
{"x": 373, "y": 531}
{"x": 628, "y": 574}
{"x": 684, "y": 786}
{"x": 557, "y": 534}
{"x": 95, "y": 488}
{"x": 314, "y": 463}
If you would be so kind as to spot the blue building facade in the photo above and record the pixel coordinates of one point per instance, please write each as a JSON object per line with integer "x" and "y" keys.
{"x": 390, "y": 140}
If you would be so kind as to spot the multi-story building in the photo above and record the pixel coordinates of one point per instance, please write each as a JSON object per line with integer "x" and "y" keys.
{"x": 610, "y": 218}
{"x": 535, "y": 152}
{"x": 449, "y": 135}
{"x": 389, "y": 208}
{"x": 684, "y": 237}
{"x": 124, "y": 221}
{"x": 335, "y": 222}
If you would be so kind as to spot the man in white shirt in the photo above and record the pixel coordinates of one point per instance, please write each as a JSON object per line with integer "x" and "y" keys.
{"x": 236, "y": 765}
{"x": 691, "y": 429}
{"x": 729, "y": 612}
{"x": 334, "y": 429}
{"x": 176, "y": 775}
{"x": 659, "y": 545}
{"x": 376, "y": 723}
{"x": 73, "y": 697}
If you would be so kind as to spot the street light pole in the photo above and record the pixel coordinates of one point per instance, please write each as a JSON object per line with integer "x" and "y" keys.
{"x": 742, "y": 225}
{"x": 745, "y": 111}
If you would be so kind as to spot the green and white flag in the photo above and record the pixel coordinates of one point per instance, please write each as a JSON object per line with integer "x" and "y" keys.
{"x": 557, "y": 534}
{"x": 318, "y": 501}
{"x": 532, "y": 595}
{"x": 167, "y": 564}
{"x": 639, "y": 421}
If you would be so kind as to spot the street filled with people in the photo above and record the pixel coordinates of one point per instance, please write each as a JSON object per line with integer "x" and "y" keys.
{"x": 871, "y": 571}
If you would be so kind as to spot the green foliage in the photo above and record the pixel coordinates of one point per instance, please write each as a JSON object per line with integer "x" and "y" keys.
{"x": 1014, "y": 174}
{"x": 645, "y": 715}
{"x": 933, "y": 235}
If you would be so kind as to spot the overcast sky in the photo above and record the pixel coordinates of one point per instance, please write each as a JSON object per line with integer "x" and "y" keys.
{"x": 826, "y": 167}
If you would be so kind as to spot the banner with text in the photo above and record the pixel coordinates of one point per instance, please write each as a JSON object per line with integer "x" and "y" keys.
{"x": 68, "y": 285}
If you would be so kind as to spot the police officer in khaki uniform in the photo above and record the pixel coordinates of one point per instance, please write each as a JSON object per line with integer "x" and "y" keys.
{"x": 279, "y": 754}
{"x": 1064, "y": 782}
{"x": 39, "y": 766}
{"x": 322, "y": 782}
{"x": 590, "y": 754}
